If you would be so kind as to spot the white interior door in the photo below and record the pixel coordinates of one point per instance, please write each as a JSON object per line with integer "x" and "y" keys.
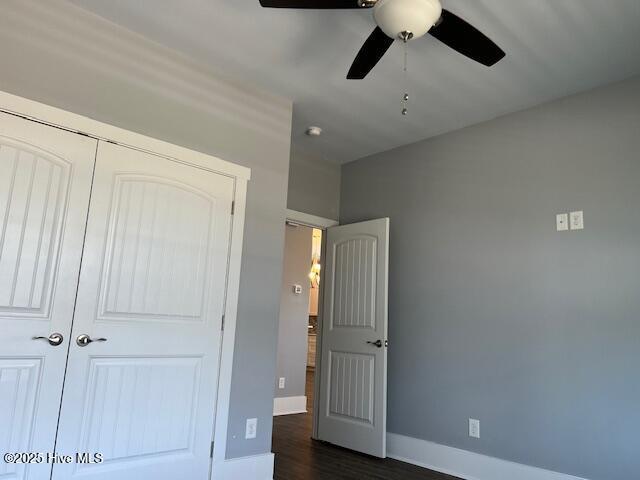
{"x": 353, "y": 386}
{"x": 152, "y": 284}
{"x": 45, "y": 179}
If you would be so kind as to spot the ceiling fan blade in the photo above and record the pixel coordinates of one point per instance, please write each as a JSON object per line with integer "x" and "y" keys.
{"x": 370, "y": 54}
{"x": 311, "y": 4}
{"x": 466, "y": 39}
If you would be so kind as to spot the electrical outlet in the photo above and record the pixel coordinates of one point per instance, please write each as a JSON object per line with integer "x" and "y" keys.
{"x": 251, "y": 428}
{"x": 281, "y": 383}
{"x": 562, "y": 222}
{"x": 474, "y": 428}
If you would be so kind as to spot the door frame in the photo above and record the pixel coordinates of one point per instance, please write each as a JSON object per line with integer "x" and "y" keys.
{"x": 57, "y": 118}
{"x": 321, "y": 223}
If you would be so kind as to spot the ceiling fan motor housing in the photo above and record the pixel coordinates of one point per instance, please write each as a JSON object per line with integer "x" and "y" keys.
{"x": 415, "y": 16}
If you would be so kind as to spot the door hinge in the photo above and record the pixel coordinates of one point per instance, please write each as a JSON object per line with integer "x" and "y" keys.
{"x": 222, "y": 322}
{"x": 211, "y": 450}
{"x": 233, "y": 207}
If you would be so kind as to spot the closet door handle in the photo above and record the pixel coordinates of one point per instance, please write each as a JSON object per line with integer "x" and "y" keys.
{"x": 54, "y": 339}
{"x": 84, "y": 340}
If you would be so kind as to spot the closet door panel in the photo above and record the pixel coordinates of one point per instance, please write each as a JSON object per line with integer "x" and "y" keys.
{"x": 45, "y": 181}
{"x": 153, "y": 285}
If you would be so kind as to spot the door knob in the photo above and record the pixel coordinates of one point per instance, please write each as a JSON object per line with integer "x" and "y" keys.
{"x": 54, "y": 339}
{"x": 377, "y": 343}
{"x": 84, "y": 340}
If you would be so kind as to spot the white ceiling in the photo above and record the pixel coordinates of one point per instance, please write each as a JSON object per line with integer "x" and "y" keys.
{"x": 554, "y": 48}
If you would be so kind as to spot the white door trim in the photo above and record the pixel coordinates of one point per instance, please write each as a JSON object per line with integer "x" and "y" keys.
{"x": 309, "y": 220}
{"x": 229, "y": 333}
{"x": 58, "y": 118}
{"x": 322, "y": 223}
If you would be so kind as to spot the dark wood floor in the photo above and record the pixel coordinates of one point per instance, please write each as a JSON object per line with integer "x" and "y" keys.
{"x": 300, "y": 458}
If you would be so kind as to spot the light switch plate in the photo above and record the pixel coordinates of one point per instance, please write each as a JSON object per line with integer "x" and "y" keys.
{"x": 251, "y": 428}
{"x": 474, "y": 428}
{"x": 281, "y": 383}
{"x": 562, "y": 222}
{"x": 297, "y": 289}
{"x": 576, "y": 220}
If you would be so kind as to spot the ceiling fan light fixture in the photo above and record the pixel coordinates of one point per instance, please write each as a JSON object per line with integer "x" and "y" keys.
{"x": 406, "y": 20}
{"x": 397, "y": 16}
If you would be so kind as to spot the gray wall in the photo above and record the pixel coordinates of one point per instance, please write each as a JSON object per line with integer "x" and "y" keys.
{"x": 314, "y": 185}
{"x": 121, "y": 79}
{"x": 294, "y": 312}
{"x": 492, "y": 313}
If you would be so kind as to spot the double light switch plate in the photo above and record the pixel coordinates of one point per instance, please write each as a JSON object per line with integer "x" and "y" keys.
{"x": 576, "y": 220}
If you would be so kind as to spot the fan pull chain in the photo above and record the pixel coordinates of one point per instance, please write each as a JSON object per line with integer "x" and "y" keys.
{"x": 405, "y": 97}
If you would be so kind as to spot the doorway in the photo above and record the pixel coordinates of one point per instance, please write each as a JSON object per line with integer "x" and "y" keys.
{"x": 348, "y": 406}
{"x": 314, "y": 300}
{"x": 298, "y": 328}
{"x": 351, "y": 336}
{"x": 346, "y": 387}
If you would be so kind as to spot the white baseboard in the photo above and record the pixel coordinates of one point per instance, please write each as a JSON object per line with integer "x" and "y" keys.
{"x": 463, "y": 464}
{"x": 289, "y": 405}
{"x": 256, "y": 467}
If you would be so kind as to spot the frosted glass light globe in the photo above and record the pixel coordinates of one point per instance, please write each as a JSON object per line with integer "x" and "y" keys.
{"x": 415, "y": 16}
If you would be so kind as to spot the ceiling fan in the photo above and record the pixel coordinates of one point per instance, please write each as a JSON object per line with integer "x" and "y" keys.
{"x": 406, "y": 20}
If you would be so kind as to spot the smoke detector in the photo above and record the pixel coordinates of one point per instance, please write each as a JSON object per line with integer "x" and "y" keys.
{"x": 314, "y": 131}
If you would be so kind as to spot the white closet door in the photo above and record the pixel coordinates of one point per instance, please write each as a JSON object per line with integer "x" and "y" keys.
{"x": 152, "y": 284}
{"x": 45, "y": 179}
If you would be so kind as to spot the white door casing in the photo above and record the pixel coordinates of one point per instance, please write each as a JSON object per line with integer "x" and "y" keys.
{"x": 353, "y": 391}
{"x": 45, "y": 180}
{"x": 153, "y": 284}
